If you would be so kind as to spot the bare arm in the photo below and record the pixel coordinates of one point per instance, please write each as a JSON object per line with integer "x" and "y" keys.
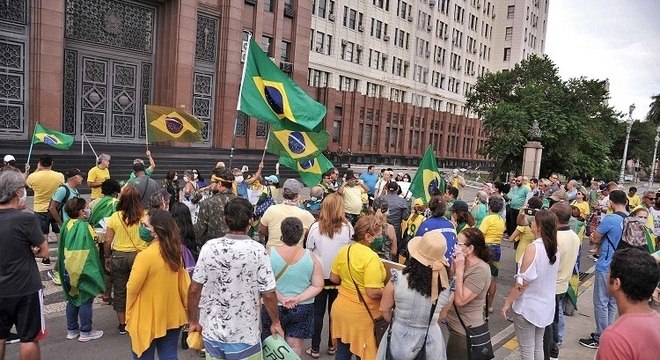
{"x": 270, "y": 302}
{"x": 311, "y": 291}
{"x": 518, "y": 288}
{"x": 387, "y": 301}
{"x": 152, "y": 163}
{"x": 107, "y": 243}
{"x": 596, "y": 237}
{"x": 391, "y": 233}
{"x": 257, "y": 175}
{"x": 263, "y": 230}
{"x": 194, "y": 294}
{"x": 43, "y": 250}
{"x": 374, "y": 293}
{"x": 462, "y": 295}
{"x": 52, "y": 208}
{"x": 335, "y": 278}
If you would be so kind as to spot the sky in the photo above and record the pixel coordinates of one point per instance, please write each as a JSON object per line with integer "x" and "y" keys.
{"x": 617, "y": 40}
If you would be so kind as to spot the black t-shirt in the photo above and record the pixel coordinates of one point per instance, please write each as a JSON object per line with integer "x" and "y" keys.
{"x": 19, "y": 231}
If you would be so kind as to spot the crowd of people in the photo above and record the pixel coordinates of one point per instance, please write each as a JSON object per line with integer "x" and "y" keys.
{"x": 225, "y": 257}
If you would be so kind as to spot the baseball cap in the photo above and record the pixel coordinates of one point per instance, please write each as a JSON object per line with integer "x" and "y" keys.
{"x": 418, "y": 202}
{"x": 392, "y": 186}
{"x": 459, "y": 205}
{"x": 272, "y": 178}
{"x": 292, "y": 186}
{"x": 9, "y": 158}
{"x": 73, "y": 172}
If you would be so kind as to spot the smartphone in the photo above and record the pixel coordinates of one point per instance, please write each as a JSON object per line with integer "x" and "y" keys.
{"x": 531, "y": 212}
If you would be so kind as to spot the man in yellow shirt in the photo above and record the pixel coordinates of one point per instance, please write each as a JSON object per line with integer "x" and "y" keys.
{"x": 44, "y": 181}
{"x": 351, "y": 191}
{"x": 97, "y": 175}
{"x": 633, "y": 199}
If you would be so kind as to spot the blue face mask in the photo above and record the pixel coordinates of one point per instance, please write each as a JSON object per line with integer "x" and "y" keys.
{"x": 145, "y": 234}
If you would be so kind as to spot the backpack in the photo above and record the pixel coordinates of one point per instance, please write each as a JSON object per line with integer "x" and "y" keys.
{"x": 634, "y": 233}
{"x": 60, "y": 206}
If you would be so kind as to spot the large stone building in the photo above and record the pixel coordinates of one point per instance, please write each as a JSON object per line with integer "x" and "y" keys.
{"x": 393, "y": 74}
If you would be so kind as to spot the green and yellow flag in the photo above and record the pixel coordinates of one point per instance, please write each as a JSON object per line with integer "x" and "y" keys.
{"x": 103, "y": 209}
{"x": 53, "y": 138}
{"x": 298, "y": 145}
{"x": 427, "y": 180}
{"x": 310, "y": 170}
{"x": 171, "y": 124}
{"x": 270, "y": 95}
{"x": 79, "y": 263}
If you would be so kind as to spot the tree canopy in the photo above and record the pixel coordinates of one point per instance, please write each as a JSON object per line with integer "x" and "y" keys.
{"x": 578, "y": 128}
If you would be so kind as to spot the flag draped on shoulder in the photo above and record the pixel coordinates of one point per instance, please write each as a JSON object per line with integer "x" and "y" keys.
{"x": 171, "y": 124}
{"x": 298, "y": 145}
{"x": 79, "y": 262}
{"x": 270, "y": 95}
{"x": 52, "y": 138}
{"x": 103, "y": 209}
{"x": 310, "y": 170}
{"x": 427, "y": 180}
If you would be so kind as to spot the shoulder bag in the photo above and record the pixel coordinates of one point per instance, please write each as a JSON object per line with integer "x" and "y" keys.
{"x": 478, "y": 339}
{"x": 380, "y": 324}
{"x": 286, "y": 265}
{"x": 421, "y": 355}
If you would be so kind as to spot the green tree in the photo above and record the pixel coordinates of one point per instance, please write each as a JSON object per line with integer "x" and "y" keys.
{"x": 654, "y": 110}
{"x": 578, "y": 127}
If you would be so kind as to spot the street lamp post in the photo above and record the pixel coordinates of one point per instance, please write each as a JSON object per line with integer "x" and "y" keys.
{"x": 630, "y": 122}
{"x": 655, "y": 152}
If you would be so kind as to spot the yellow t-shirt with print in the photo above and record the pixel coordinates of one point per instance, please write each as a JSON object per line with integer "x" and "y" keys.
{"x": 493, "y": 227}
{"x": 126, "y": 238}
{"x": 96, "y": 174}
{"x": 413, "y": 223}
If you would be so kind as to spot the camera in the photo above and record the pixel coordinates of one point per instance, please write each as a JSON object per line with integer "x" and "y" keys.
{"x": 531, "y": 212}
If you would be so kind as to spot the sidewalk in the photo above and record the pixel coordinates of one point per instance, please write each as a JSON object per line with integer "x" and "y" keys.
{"x": 578, "y": 326}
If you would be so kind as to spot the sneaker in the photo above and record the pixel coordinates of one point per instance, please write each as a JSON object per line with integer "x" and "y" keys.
{"x": 121, "y": 329}
{"x": 559, "y": 344}
{"x": 72, "y": 334}
{"x": 12, "y": 338}
{"x": 91, "y": 335}
{"x": 45, "y": 261}
{"x": 591, "y": 343}
{"x": 55, "y": 276}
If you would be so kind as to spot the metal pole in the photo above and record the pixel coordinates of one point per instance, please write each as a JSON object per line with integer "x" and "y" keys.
{"x": 655, "y": 152}
{"x": 625, "y": 155}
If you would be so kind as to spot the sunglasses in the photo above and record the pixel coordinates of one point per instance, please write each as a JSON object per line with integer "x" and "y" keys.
{"x": 650, "y": 198}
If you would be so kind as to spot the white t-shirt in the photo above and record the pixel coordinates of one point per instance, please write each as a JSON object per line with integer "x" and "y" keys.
{"x": 234, "y": 270}
{"x": 655, "y": 214}
{"x": 326, "y": 248}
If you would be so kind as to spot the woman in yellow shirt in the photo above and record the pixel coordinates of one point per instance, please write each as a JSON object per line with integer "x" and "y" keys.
{"x": 157, "y": 290}
{"x": 357, "y": 264}
{"x": 493, "y": 227}
{"x": 122, "y": 243}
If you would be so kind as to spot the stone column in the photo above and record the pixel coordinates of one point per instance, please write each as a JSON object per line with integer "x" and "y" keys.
{"x": 531, "y": 165}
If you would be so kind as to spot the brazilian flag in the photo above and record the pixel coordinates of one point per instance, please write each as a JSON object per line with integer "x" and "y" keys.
{"x": 270, "y": 95}
{"x": 53, "y": 138}
{"x": 427, "y": 180}
{"x": 298, "y": 145}
{"x": 310, "y": 170}
{"x": 103, "y": 209}
{"x": 171, "y": 124}
{"x": 79, "y": 262}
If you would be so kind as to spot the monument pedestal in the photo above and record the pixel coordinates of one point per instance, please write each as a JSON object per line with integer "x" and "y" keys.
{"x": 531, "y": 166}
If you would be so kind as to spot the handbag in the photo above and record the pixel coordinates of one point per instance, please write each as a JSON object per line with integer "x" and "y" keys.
{"x": 263, "y": 205}
{"x": 421, "y": 355}
{"x": 478, "y": 339}
{"x": 380, "y": 324}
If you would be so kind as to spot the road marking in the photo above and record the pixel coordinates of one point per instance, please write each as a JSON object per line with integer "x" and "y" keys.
{"x": 511, "y": 344}
{"x": 502, "y": 335}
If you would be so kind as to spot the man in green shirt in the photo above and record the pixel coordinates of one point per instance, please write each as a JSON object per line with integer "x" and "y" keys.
{"x": 517, "y": 196}
{"x": 147, "y": 171}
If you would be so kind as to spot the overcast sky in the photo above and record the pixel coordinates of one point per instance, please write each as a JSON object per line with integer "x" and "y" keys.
{"x": 614, "y": 39}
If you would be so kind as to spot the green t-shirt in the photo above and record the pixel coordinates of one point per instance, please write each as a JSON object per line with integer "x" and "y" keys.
{"x": 147, "y": 172}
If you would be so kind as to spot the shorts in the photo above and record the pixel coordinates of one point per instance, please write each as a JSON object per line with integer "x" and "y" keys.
{"x": 495, "y": 255}
{"x": 297, "y": 322}
{"x": 122, "y": 262}
{"x": 46, "y": 222}
{"x": 26, "y": 312}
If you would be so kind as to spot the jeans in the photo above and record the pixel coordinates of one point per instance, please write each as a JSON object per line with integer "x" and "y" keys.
{"x": 326, "y": 296}
{"x": 604, "y": 304}
{"x": 530, "y": 338}
{"x": 344, "y": 352}
{"x": 166, "y": 347}
{"x": 84, "y": 312}
{"x": 561, "y": 324}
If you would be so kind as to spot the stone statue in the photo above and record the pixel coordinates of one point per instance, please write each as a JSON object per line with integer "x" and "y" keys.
{"x": 534, "y": 132}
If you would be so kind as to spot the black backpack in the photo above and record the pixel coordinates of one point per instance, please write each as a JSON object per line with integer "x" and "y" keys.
{"x": 60, "y": 206}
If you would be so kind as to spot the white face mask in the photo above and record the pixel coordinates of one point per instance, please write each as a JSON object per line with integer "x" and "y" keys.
{"x": 185, "y": 178}
{"x": 239, "y": 179}
{"x": 175, "y": 178}
{"x": 88, "y": 213}
{"x": 195, "y": 176}
{"x": 23, "y": 198}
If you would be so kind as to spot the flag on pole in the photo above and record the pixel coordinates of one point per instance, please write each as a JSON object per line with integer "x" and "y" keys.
{"x": 79, "y": 262}
{"x": 52, "y": 138}
{"x": 171, "y": 124}
{"x": 297, "y": 145}
{"x": 427, "y": 180}
{"x": 310, "y": 170}
{"x": 270, "y": 95}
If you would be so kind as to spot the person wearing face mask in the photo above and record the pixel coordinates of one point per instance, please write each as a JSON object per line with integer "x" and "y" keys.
{"x": 315, "y": 201}
{"x": 64, "y": 193}
{"x": 171, "y": 184}
{"x": 384, "y": 245}
{"x": 157, "y": 290}
{"x": 241, "y": 184}
{"x": 81, "y": 288}
{"x": 121, "y": 245}
{"x": 351, "y": 191}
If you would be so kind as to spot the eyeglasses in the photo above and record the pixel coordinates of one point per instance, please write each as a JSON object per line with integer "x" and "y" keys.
{"x": 466, "y": 244}
{"x": 650, "y": 198}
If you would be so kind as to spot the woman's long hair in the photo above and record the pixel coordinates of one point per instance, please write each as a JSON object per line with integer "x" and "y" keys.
{"x": 419, "y": 277}
{"x": 475, "y": 237}
{"x": 168, "y": 236}
{"x": 331, "y": 217}
{"x": 464, "y": 217}
{"x": 546, "y": 222}
{"x": 181, "y": 215}
{"x": 130, "y": 205}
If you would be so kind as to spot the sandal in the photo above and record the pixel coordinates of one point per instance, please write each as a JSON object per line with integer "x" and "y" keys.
{"x": 332, "y": 350}
{"x": 312, "y": 353}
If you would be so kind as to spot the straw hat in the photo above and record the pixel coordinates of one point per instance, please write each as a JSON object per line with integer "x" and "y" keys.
{"x": 429, "y": 250}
